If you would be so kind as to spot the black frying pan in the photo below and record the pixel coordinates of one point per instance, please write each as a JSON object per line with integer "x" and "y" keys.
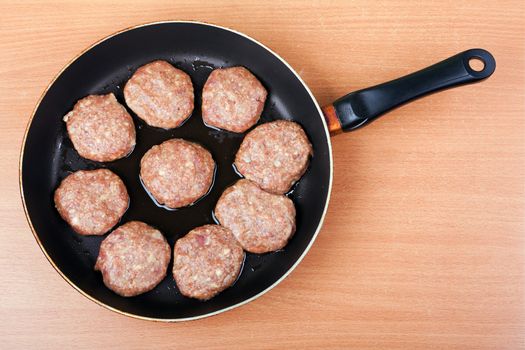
{"x": 48, "y": 156}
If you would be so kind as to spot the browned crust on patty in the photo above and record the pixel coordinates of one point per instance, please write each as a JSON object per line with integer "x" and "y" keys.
{"x": 92, "y": 201}
{"x": 232, "y": 99}
{"x": 177, "y": 172}
{"x": 262, "y": 222}
{"x": 100, "y": 128}
{"x": 206, "y": 261}
{"x": 133, "y": 259}
{"x": 160, "y": 94}
{"x": 274, "y": 155}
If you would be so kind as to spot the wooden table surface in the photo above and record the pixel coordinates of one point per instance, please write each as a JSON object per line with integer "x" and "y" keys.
{"x": 424, "y": 241}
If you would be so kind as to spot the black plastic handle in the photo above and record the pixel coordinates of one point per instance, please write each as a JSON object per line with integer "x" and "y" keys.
{"x": 361, "y": 107}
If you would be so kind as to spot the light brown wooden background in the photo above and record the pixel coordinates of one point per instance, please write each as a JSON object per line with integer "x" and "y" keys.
{"x": 424, "y": 242}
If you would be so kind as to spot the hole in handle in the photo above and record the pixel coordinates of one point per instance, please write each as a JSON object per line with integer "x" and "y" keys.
{"x": 476, "y": 64}
{"x": 479, "y": 63}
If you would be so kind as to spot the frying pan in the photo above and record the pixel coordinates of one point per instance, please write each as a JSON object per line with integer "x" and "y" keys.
{"x": 197, "y": 48}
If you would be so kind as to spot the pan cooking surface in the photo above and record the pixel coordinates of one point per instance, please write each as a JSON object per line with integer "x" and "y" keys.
{"x": 196, "y": 49}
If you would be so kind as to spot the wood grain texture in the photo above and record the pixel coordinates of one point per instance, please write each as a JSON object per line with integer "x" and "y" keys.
{"x": 424, "y": 242}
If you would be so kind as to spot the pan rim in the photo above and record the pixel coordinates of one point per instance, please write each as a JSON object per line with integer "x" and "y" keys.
{"x": 169, "y": 320}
